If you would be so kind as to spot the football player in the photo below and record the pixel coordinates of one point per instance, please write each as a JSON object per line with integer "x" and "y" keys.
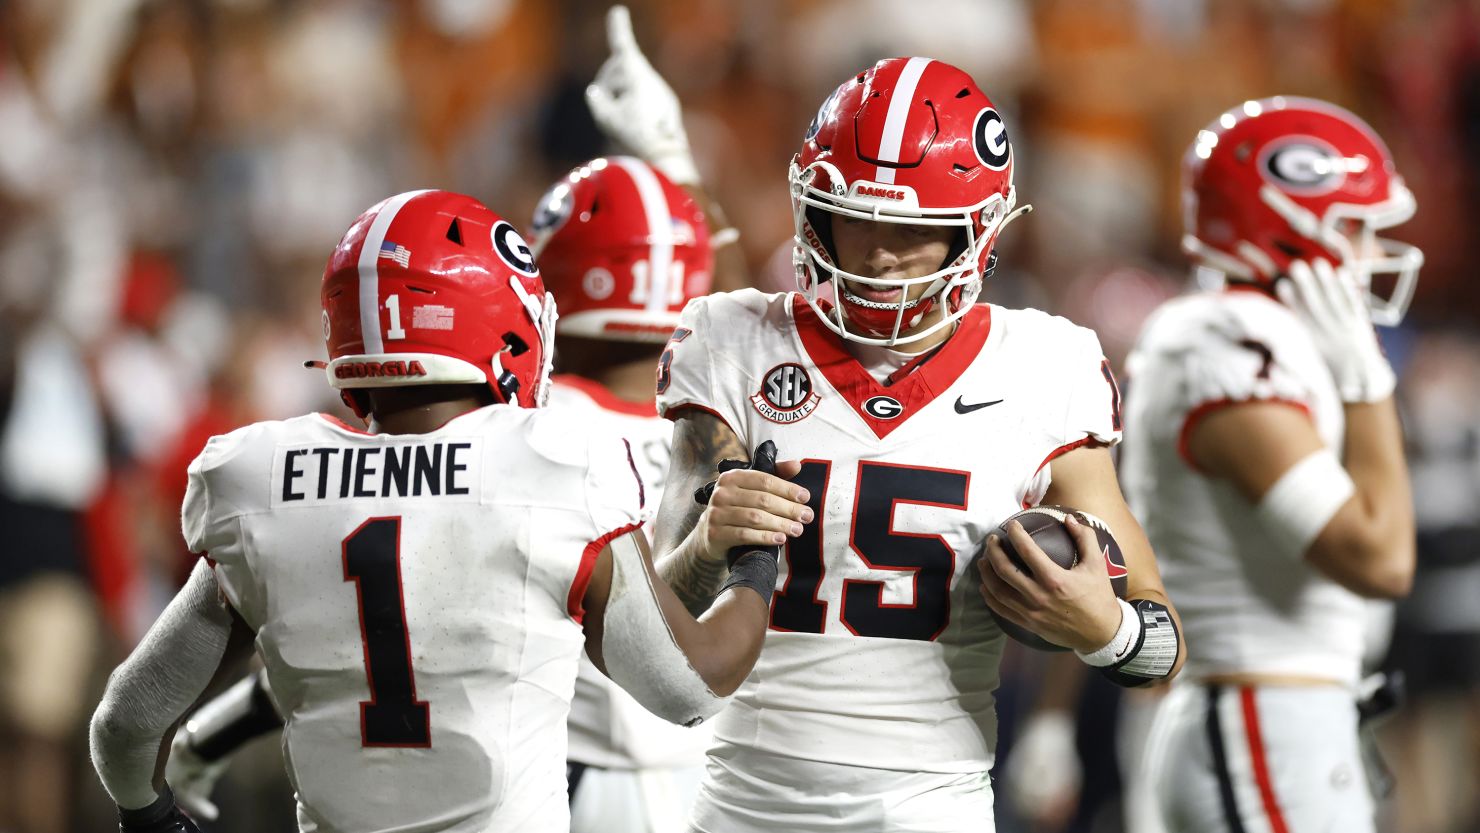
{"x": 419, "y": 593}
{"x": 623, "y": 245}
{"x": 922, "y": 419}
{"x": 622, "y": 249}
{"x": 1266, "y": 462}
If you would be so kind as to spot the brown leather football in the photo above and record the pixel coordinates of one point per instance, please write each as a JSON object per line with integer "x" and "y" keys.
{"x": 1046, "y": 525}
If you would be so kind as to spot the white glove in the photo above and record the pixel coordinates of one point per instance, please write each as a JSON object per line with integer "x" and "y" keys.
{"x": 1043, "y": 772}
{"x": 193, "y": 779}
{"x": 634, "y": 105}
{"x": 1335, "y": 310}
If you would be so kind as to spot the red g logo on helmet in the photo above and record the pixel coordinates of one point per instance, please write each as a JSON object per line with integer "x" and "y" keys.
{"x": 512, "y": 248}
{"x": 989, "y": 137}
{"x": 1304, "y": 165}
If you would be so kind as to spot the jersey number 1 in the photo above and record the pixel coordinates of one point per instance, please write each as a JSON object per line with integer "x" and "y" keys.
{"x": 392, "y": 716}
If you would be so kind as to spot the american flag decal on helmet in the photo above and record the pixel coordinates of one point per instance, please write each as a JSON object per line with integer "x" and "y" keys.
{"x": 400, "y": 254}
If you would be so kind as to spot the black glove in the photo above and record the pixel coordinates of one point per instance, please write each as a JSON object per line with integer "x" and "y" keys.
{"x": 160, "y": 817}
{"x": 764, "y": 460}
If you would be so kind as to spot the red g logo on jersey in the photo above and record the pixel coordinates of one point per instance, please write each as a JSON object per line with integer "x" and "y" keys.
{"x": 786, "y": 394}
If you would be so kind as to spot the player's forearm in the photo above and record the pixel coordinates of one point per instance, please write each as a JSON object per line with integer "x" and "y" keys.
{"x": 1377, "y": 532}
{"x": 694, "y": 576}
{"x": 149, "y": 692}
{"x": 724, "y": 643}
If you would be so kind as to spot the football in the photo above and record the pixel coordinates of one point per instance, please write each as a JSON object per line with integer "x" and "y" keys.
{"x": 1046, "y": 526}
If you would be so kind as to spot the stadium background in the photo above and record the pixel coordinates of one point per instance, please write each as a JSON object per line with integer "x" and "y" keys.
{"x": 174, "y": 173}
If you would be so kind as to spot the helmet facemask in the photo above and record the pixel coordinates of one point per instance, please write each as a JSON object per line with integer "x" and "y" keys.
{"x": 1362, "y": 253}
{"x": 954, "y": 287}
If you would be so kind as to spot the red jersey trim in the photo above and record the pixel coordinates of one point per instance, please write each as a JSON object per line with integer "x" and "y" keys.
{"x": 575, "y": 601}
{"x": 1196, "y": 415}
{"x": 925, "y": 380}
{"x": 641, "y": 489}
{"x": 604, "y": 398}
{"x": 1065, "y": 449}
{"x": 1260, "y": 761}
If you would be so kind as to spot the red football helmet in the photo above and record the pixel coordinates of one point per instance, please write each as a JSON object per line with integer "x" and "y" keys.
{"x": 909, "y": 140}
{"x": 431, "y": 287}
{"x": 1289, "y": 178}
{"x": 623, "y": 249}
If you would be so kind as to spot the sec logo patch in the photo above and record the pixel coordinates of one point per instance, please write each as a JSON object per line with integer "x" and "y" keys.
{"x": 786, "y": 394}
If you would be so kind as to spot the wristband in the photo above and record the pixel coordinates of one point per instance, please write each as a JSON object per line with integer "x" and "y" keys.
{"x": 755, "y": 569}
{"x": 1155, "y": 649}
{"x": 227, "y": 723}
{"x": 1121, "y": 644}
{"x": 1305, "y": 498}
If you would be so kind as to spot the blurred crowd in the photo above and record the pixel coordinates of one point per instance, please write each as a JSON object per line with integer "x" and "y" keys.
{"x": 174, "y": 173}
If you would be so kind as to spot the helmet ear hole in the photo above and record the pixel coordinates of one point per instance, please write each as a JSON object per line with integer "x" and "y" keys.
{"x": 958, "y": 245}
{"x": 517, "y": 346}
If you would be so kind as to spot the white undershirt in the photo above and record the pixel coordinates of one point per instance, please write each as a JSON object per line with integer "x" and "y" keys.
{"x": 879, "y": 361}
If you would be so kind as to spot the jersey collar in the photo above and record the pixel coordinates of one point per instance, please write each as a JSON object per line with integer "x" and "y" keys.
{"x": 913, "y": 386}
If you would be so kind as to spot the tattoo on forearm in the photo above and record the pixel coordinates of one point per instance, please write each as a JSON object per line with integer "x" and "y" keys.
{"x": 695, "y": 581}
{"x": 700, "y": 442}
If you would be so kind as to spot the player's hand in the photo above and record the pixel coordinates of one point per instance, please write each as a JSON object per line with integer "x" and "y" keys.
{"x": 192, "y": 778}
{"x": 634, "y": 105}
{"x": 1334, "y": 308}
{"x": 1043, "y": 773}
{"x": 1074, "y": 608}
{"x": 750, "y": 508}
{"x": 160, "y": 817}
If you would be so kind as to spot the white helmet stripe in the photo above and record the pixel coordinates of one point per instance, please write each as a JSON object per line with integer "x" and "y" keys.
{"x": 660, "y": 230}
{"x": 369, "y": 266}
{"x": 898, "y": 115}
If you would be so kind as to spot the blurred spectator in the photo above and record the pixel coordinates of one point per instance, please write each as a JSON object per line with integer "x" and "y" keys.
{"x": 52, "y": 465}
{"x": 1437, "y": 644}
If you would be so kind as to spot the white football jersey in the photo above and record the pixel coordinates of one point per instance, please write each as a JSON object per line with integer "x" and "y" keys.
{"x": 1246, "y": 606}
{"x": 881, "y": 652}
{"x": 608, "y": 728}
{"x": 417, "y": 601}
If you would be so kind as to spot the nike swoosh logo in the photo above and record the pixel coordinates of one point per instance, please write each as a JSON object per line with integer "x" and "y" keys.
{"x": 963, "y": 408}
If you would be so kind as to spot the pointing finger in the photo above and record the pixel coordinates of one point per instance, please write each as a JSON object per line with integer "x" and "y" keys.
{"x": 619, "y": 35}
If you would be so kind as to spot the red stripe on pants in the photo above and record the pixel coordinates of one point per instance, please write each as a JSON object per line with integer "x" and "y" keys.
{"x": 1261, "y": 766}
